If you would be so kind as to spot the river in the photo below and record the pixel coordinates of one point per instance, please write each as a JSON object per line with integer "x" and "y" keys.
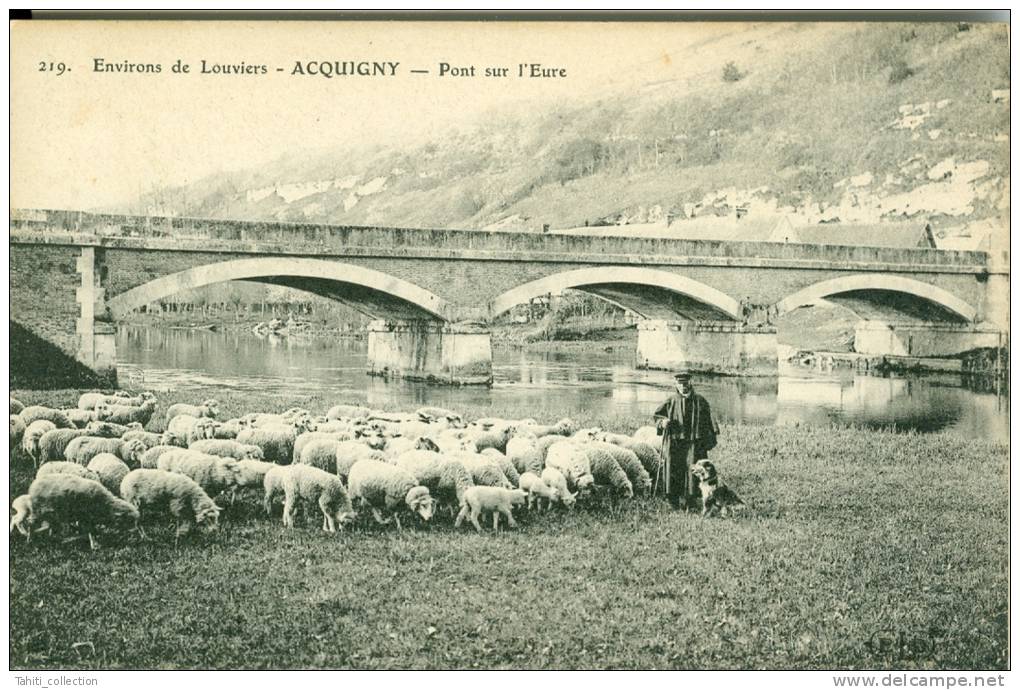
{"x": 600, "y": 382}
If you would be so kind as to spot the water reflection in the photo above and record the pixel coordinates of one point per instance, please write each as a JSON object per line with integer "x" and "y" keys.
{"x": 564, "y": 383}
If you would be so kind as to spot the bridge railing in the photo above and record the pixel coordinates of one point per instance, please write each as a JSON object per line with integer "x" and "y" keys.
{"x": 453, "y": 240}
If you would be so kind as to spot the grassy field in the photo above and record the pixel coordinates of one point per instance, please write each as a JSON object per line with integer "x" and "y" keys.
{"x": 850, "y": 538}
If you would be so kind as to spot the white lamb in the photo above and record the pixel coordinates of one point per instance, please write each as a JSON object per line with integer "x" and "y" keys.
{"x": 571, "y": 459}
{"x": 555, "y": 480}
{"x": 388, "y": 488}
{"x": 156, "y": 491}
{"x": 312, "y": 485}
{"x": 209, "y": 408}
{"x": 111, "y": 471}
{"x": 272, "y": 482}
{"x": 490, "y": 499}
{"x": 537, "y": 490}
{"x": 63, "y": 499}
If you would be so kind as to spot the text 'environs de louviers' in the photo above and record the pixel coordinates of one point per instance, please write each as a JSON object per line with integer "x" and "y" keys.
{"x": 317, "y": 68}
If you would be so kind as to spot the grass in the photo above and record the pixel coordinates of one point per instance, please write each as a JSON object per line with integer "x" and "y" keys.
{"x": 849, "y": 534}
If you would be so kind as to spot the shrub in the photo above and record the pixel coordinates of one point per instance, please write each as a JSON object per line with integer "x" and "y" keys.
{"x": 732, "y": 73}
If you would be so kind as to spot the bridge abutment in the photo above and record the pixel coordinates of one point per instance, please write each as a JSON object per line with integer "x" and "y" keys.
{"x": 97, "y": 337}
{"x": 922, "y": 339}
{"x": 723, "y": 347}
{"x": 459, "y": 354}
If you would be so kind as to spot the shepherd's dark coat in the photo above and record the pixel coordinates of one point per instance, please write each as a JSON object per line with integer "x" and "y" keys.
{"x": 694, "y": 428}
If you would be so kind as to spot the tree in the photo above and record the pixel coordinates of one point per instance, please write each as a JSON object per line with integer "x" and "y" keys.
{"x": 731, "y": 72}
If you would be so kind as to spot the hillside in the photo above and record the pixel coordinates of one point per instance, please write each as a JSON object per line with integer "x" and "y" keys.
{"x": 821, "y": 122}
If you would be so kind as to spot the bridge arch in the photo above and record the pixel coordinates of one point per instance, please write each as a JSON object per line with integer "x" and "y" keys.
{"x": 645, "y": 291}
{"x": 370, "y": 291}
{"x": 869, "y": 294}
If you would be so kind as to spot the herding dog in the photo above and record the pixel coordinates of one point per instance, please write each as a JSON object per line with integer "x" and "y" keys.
{"x": 715, "y": 495}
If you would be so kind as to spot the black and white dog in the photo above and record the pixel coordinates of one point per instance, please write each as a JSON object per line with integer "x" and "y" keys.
{"x": 715, "y": 495}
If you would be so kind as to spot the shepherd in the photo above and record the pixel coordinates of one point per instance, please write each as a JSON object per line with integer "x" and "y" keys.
{"x": 688, "y": 432}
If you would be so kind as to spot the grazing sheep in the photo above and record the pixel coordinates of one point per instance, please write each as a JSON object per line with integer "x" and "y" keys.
{"x": 111, "y": 471}
{"x": 554, "y": 479}
{"x": 17, "y": 431}
{"x": 16, "y": 406}
{"x": 125, "y": 414}
{"x": 150, "y": 458}
{"x": 33, "y": 434}
{"x": 648, "y": 456}
{"x": 213, "y": 473}
{"x": 310, "y": 436}
{"x": 490, "y": 499}
{"x": 310, "y": 484}
{"x": 543, "y": 444}
{"x": 388, "y": 488}
{"x": 209, "y": 408}
{"x": 571, "y": 459}
{"x": 230, "y": 428}
{"x": 348, "y": 412}
{"x": 81, "y": 418}
{"x": 53, "y": 444}
{"x": 320, "y": 453}
{"x": 432, "y": 414}
{"x": 648, "y": 434}
{"x": 564, "y": 427}
{"x": 64, "y": 467}
{"x": 507, "y": 467}
{"x": 65, "y": 499}
{"x": 227, "y": 448}
{"x": 148, "y": 438}
{"x": 22, "y": 518}
{"x": 607, "y": 472}
{"x": 37, "y": 412}
{"x": 156, "y": 491}
{"x": 446, "y": 478}
{"x": 272, "y": 482}
{"x": 484, "y": 471}
{"x": 537, "y": 490}
{"x": 252, "y": 472}
{"x": 90, "y": 401}
{"x": 277, "y": 443}
{"x": 524, "y": 455}
{"x": 349, "y": 452}
{"x": 111, "y": 430}
{"x": 631, "y": 464}
{"x": 496, "y": 438}
{"x": 82, "y": 449}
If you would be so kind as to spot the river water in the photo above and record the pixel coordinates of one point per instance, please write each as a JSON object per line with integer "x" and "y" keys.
{"x": 548, "y": 384}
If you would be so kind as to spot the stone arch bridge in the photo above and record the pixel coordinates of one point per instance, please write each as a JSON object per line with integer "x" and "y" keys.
{"x": 705, "y": 305}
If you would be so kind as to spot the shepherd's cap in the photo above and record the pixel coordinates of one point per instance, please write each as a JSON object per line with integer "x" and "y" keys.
{"x": 683, "y": 375}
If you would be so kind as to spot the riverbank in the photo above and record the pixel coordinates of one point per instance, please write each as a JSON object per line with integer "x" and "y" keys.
{"x": 844, "y": 535}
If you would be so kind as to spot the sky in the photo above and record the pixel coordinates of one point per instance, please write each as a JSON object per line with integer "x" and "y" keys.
{"x": 85, "y": 139}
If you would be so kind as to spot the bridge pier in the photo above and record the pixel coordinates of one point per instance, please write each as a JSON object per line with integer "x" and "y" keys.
{"x": 723, "y": 347}
{"x": 458, "y": 354}
{"x": 922, "y": 339}
{"x": 97, "y": 339}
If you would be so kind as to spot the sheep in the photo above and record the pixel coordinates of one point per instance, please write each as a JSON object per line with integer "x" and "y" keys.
{"x": 484, "y": 471}
{"x": 399, "y": 445}
{"x": 494, "y": 439}
{"x": 82, "y": 449}
{"x": 17, "y": 431}
{"x": 446, "y": 478}
{"x": 111, "y": 471}
{"x": 252, "y": 472}
{"x": 22, "y": 518}
{"x": 320, "y": 453}
{"x": 307, "y": 483}
{"x": 277, "y": 443}
{"x": 607, "y": 472}
{"x": 90, "y": 401}
{"x": 16, "y": 406}
{"x": 537, "y": 490}
{"x": 148, "y": 438}
{"x": 648, "y": 456}
{"x": 564, "y": 427}
{"x": 349, "y": 452}
{"x": 631, "y": 464}
{"x": 209, "y": 408}
{"x": 80, "y": 418}
{"x": 272, "y": 482}
{"x": 384, "y": 487}
{"x": 570, "y": 459}
{"x": 348, "y": 411}
{"x": 543, "y": 444}
{"x": 111, "y": 430}
{"x": 125, "y": 414}
{"x": 230, "y": 428}
{"x": 490, "y": 499}
{"x": 153, "y": 491}
{"x": 507, "y": 467}
{"x": 203, "y": 429}
{"x": 211, "y": 472}
{"x": 522, "y": 453}
{"x": 227, "y": 448}
{"x": 150, "y": 458}
{"x": 66, "y": 499}
{"x": 311, "y": 436}
{"x": 53, "y": 444}
{"x": 431, "y": 414}
{"x": 37, "y": 412}
{"x": 33, "y": 434}
{"x": 183, "y": 430}
{"x": 554, "y": 479}
{"x": 648, "y": 434}
{"x": 64, "y": 467}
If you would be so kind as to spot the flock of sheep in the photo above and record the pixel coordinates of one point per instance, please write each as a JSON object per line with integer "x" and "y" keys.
{"x": 97, "y": 467}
